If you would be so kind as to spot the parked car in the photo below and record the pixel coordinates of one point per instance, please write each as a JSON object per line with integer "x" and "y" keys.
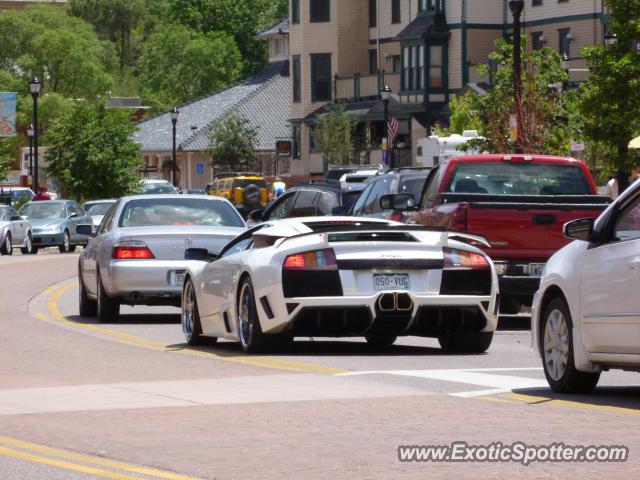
{"x": 310, "y": 199}
{"x": 97, "y": 209}
{"x": 15, "y": 232}
{"x": 341, "y": 277}
{"x": 409, "y": 181}
{"x": 15, "y": 196}
{"x": 358, "y": 176}
{"x": 586, "y": 315}
{"x": 519, "y": 203}
{"x": 55, "y": 224}
{"x": 195, "y": 191}
{"x": 137, "y": 254}
{"x": 246, "y": 191}
{"x": 153, "y": 186}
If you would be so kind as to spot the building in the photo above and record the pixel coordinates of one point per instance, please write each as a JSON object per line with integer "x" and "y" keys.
{"x": 264, "y": 100}
{"x": 425, "y": 50}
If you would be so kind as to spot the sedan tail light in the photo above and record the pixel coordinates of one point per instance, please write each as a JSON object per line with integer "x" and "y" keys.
{"x": 131, "y": 251}
{"x": 314, "y": 260}
{"x": 463, "y": 259}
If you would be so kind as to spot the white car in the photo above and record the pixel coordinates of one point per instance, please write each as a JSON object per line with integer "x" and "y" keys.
{"x": 97, "y": 209}
{"x": 342, "y": 277}
{"x": 15, "y": 231}
{"x": 154, "y": 186}
{"x": 586, "y": 314}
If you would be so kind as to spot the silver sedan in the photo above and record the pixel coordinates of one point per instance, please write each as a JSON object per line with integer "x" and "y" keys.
{"x": 15, "y": 231}
{"x": 136, "y": 256}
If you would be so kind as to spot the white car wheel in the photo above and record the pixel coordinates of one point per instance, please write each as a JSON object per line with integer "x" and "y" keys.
{"x": 556, "y": 345}
{"x": 7, "y": 245}
{"x": 190, "y": 317}
{"x": 249, "y": 332}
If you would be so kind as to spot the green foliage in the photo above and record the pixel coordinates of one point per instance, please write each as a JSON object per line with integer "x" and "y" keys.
{"x": 9, "y": 154}
{"x": 241, "y": 19}
{"x": 92, "y": 153}
{"x": 63, "y": 51}
{"x": 180, "y": 64}
{"x": 544, "y": 122}
{"x": 113, "y": 20}
{"x": 610, "y": 104}
{"x": 334, "y": 135}
{"x": 232, "y": 143}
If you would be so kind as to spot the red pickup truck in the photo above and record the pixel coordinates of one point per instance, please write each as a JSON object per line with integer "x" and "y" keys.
{"x": 519, "y": 203}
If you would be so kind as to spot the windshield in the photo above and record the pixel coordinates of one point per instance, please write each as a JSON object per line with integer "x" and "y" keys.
{"x": 179, "y": 211}
{"x": 349, "y": 198}
{"x": 160, "y": 187}
{"x": 42, "y": 210}
{"x": 518, "y": 179}
{"x": 16, "y": 194}
{"x": 97, "y": 208}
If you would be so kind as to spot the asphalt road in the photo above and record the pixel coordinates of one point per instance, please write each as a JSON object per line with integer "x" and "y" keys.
{"x": 131, "y": 400}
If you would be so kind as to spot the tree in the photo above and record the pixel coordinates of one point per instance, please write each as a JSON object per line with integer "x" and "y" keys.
{"x": 92, "y": 153}
{"x": 179, "y": 64}
{"x": 241, "y": 19}
{"x": 9, "y": 154}
{"x": 610, "y": 104}
{"x": 544, "y": 120}
{"x": 334, "y": 135}
{"x": 63, "y": 51}
{"x": 114, "y": 20}
{"x": 232, "y": 143}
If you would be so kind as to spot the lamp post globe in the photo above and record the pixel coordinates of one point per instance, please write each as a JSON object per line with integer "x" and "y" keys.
{"x": 174, "y": 113}
{"x": 35, "y": 86}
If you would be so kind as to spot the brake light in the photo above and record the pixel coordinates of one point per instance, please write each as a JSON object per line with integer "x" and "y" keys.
{"x": 463, "y": 259}
{"x": 313, "y": 260}
{"x": 396, "y": 217}
{"x": 459, "y": 219}
{"x": 132, "y": 251}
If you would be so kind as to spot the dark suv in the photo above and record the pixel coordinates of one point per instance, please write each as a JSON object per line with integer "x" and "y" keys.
{"x": 402, "y": 180}
{"x": 309, "y": 200}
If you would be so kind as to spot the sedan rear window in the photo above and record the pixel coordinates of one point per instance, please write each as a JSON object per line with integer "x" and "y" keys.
{"x": 159, "y": 187}
{"x": 97, "y": 208}
{"x": 518, "y": 179}
{"x": 179, "y": 211}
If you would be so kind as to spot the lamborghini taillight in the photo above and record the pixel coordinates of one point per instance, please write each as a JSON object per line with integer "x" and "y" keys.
{"x": 462, "y": 259}
{"x": 314, "y": 260}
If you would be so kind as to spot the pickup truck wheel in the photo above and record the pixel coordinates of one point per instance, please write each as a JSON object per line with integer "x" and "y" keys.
{"x": 556, "y": 342}
{"x": 465, "y": 341}
{"x": 108, "y": 309}
{"x": 87, "y": 307}
{"x": 72, "y": 248}
{"x": 509, "y": 306}
{"x": 380, "y": 340}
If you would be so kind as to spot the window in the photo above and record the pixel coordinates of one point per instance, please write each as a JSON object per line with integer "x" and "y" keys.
{"x": 564, "y": 43}
{"x": 358, "y": 208}
{"x": 295, "y": 70}
{"x": 380, "y": 188}
{"x": 396, "y": 64}
{"x": 320, "y": 77}
{"x": 412, "y": 67}
{"x": 295, "y": 11}
{"x": 319, "y": 11}
{"x": 428, "y": 5}
{"x": 420, "y": 69}
{"x": 305, "y": 204}
{"x": 282, "y": 207}
{"x": 325, "y": 204}
{"x": 395, "y": 11}
{"x": 373, "y": 13}
{"x": 279, "y": 47}
{"x": 405, "y": 68}
{"x": 373, "y": 62}
{"x": 435, "y": 66}
{"x": 536, "y": 40}
{"x": 628, "y": 223}
{"x": 536, "y": 3}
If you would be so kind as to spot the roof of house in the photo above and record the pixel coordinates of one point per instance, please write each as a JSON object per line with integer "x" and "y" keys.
{"x": 281, "y": 27}
{"x": 264, "y": 100}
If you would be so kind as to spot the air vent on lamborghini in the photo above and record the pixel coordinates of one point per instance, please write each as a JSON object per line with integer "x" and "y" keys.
{"x": 372, "y": 237}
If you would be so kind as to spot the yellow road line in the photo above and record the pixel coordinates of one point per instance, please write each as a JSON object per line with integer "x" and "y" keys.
{"x": 494, "y": 399}
{"x": 571, "y": 404}
{"x": 133, "y": 340}
{"x": 115, "y": 464}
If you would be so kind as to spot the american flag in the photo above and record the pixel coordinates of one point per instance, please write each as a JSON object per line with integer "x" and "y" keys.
{"x": 393, "y": 125}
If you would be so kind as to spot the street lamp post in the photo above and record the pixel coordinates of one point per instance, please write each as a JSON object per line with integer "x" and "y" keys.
{"x": 516, "y": 7}
{"x": 174, "y": 114}
{"x": 30, "y": 135}
{"x": 610, "y": 39}
{"x": 385, "y": 94}
{"x": 565, "y": 67}
{"x": 35, "y": 86}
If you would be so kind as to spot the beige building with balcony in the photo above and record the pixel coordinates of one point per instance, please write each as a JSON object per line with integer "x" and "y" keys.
{"x": 425, "y": 50}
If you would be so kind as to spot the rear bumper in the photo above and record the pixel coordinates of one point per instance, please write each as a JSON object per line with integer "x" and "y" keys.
{"x": 149, "y": 278}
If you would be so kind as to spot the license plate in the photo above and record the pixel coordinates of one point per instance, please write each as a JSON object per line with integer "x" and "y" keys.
{"x": 391, "y": 281}
{"x": 535, "y": 269}
{"x": 178, "y": 277}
